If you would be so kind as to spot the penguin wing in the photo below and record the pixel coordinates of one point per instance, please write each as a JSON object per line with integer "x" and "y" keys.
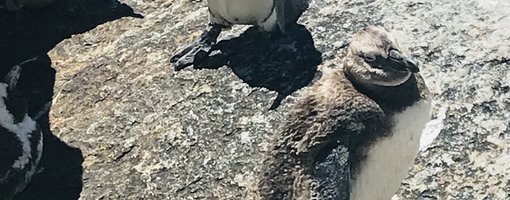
{"x": 332, "y": 173}
{"x": 316, "y": 147}
{"x": 332, "y": 150}
{"x": 349, "y": 120}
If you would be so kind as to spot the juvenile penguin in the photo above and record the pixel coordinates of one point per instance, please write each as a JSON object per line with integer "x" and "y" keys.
{"x": 20, "y": 136}
{"x": 355, "y": 133}
{"x": 268, "y": 15}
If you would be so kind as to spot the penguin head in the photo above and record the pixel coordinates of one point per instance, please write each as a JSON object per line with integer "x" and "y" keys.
{"x": 376, "y": 58}
{"x": 15, "y": 104}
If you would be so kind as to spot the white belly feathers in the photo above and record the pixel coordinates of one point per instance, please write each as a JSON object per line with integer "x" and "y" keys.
{"x": 256, "y": 12}
{"x": 388, "y": 160}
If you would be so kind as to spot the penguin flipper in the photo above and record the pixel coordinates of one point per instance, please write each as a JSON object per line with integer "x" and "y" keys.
{"x": 332, "y": 173}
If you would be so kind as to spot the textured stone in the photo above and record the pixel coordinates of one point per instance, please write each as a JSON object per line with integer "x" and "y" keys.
{"x": 146, "y": 131}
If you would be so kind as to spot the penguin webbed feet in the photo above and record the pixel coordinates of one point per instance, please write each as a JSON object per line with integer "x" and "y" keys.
{"x": 190, "y": 55}
{"x": 198, "y": 50}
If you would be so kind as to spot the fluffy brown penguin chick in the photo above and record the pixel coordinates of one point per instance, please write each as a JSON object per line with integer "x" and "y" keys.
{"x": 355, "y": 133}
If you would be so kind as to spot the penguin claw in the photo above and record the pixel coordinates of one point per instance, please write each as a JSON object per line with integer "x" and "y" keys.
{"x": 197, "y": 51}
{"x": 192, "y": 54}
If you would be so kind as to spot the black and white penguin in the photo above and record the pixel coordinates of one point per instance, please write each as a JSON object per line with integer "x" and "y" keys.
{"x": 268, "y": 15}
{"x": 21, "y": 140}
{"x": 355, "y": 133}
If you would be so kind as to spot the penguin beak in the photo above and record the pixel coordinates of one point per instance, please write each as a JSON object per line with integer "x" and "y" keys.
{"x": 401, "y": 63}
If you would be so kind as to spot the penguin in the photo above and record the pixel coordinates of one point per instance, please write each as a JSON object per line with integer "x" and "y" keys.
{"x": 21, "y": 139}
{"x": 267, "y": 15}
{"x": 354, "y": 134}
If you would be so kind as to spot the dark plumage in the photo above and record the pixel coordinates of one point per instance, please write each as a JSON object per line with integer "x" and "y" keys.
{"x": 20, "y": 136}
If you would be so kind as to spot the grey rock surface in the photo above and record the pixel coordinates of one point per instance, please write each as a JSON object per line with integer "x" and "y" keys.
{"x": 147, "y": 132}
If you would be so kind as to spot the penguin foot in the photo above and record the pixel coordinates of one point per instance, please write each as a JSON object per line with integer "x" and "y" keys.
{"x": 189, "y": 55}
{"x": 198, "y": 50}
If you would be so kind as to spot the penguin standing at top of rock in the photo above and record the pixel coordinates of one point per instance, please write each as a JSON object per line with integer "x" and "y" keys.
{"x": 268, "y": 15}
{"x": 20, "y": 136}
{"x": 355, "y": 133}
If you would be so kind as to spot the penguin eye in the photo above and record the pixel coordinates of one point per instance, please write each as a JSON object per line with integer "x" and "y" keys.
{"x": 394, "y": 53}
{"x": 368, "y": 57}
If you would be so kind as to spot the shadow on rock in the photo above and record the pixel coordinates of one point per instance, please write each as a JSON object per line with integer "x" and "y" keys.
{"x": 27, "y": 33}
{"x": 61, "y": 175}
{"x": 280, "y": 63}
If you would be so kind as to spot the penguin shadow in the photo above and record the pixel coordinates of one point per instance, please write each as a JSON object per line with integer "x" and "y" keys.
{"x": 60, "y": 175}
{"x": 281, "y": 63}
{"x": 26, "y": 33}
